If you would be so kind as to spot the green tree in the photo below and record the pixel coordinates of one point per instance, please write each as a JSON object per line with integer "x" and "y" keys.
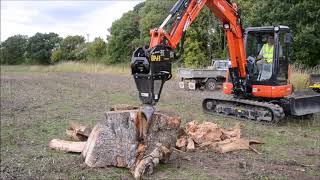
{"x": 97, "y": 48}
{"x": 302, "y": 16}
{"x": 81, "y": 52}
{"x": 122, "y": 33}
{"x": 204, "y": 41}
{"x": 194, "y": 55}
{"x": 40, "y": 47}
{"x": 151, "y": 16}
{"x": 12, "y": 50}
{"x": 56, "y": 56}
{"x": 69, "y": 47}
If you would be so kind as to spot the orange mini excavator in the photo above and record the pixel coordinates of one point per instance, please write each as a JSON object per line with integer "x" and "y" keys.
{"x": 259, "y": 94}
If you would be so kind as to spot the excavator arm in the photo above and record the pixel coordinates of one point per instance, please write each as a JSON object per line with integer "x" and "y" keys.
{"x": 151, "y": 65}
{"x": 227, "y": 13}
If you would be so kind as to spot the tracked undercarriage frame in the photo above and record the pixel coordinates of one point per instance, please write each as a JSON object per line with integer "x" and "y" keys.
{"x": 272, "y": 112}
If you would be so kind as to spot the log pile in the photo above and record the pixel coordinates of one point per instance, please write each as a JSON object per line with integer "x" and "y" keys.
{"x": 76, "y": 132}
{"x": 123, "y": 139}
{"x": 209, "y": 135}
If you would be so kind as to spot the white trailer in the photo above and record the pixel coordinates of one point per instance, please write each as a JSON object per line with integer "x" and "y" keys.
{"x": 209, "y": 78}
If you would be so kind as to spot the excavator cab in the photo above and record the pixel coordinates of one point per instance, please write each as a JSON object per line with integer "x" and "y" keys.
{"x": 266, "y": 78}
{"x": 270, "y": 72}
{"x": 271, "y": 81}
{"x": 269, "y": 93}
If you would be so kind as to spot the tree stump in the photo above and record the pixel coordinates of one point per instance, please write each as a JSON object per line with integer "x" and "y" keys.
{"x": 124, "y": 139}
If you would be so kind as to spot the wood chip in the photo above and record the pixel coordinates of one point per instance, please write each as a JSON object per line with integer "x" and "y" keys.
{"x": 190, "y": 146}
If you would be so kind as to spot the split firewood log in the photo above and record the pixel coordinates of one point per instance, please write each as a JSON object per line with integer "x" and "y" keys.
{"x": 75, "y": 136}
{"x": 234, "y": 132}
{"x": 181, "y": 143}
{"x": 233, "y": 145}
{"x": 80, "y": 128}
{"x": 190, "y": 146}
{"x": 204, "y": 132}
{"x": 68, "y": 146}
{"x": 150, "y": 161}
{"x": 78, "y": 132}
{"x": 121, "y": 107}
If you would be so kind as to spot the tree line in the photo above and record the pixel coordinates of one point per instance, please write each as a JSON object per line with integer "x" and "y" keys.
{"x": 50, "y": 48}
{"x": 204, "y": 40}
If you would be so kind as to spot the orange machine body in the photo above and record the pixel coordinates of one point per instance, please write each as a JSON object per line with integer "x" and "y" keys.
{"x": 270, "y": 92}
{"x": 228, "y": 14}
{"x": 264, "y": 91}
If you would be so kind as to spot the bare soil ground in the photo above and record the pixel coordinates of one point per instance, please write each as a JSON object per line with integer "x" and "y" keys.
{"x": 36, "y": 107}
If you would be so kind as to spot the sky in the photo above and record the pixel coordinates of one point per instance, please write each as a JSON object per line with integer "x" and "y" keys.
{"x": 68, "y": 17}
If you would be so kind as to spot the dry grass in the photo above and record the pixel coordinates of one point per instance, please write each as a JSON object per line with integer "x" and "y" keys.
{"x": 89, "y": 68}
{"x": 300, "y": 76}
{"x": 299, "y": 79}
{"x": 119, "y": 69}
{"x": 123, "y": 69}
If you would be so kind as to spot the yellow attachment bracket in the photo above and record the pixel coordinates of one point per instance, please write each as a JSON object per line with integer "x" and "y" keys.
{"x": 317, "y": 86}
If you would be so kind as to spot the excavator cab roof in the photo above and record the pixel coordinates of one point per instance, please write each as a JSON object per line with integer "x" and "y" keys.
{"x": 267, "y": 29}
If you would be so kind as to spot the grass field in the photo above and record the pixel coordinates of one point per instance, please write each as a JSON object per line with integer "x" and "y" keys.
{"x": 37, "y": 103}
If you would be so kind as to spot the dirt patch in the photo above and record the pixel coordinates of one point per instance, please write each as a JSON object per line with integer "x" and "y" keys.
{"x": 36, "y": 107}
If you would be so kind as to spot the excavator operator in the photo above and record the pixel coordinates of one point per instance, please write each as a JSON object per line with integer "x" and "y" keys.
{"x": 266, "y": 53}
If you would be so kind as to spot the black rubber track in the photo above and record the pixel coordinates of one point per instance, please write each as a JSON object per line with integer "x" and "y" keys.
{"x": 277, "y": 111}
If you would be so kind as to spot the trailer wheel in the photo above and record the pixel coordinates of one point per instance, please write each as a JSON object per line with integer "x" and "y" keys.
{"x": 211, "y": 84}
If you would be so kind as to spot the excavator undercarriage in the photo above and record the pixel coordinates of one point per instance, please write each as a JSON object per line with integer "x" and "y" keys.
{"x": 243, "y": 108}
{"x": 298, "y": 104}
